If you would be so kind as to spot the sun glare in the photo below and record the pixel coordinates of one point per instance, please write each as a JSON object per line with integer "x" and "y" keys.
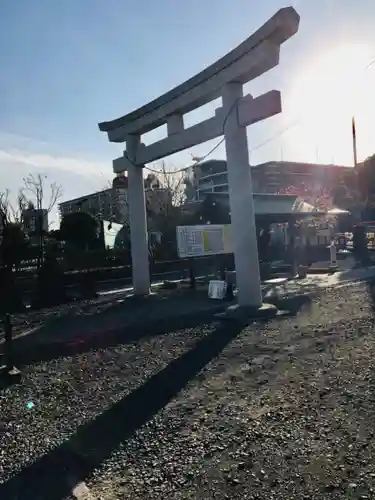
{"x": 327, "y": 92}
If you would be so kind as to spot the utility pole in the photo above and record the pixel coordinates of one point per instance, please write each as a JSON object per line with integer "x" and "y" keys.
{"x": 355, "y": 165}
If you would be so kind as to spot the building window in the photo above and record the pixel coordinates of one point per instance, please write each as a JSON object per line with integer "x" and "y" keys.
{"x": 221, "y": 189}
{"x": 215, "y": 179}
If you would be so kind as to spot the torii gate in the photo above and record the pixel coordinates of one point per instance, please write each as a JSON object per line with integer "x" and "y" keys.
{"x": 225, "y": 78}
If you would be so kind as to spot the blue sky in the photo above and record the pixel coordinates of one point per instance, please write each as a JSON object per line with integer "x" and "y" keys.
{"x": 66, "y": 65}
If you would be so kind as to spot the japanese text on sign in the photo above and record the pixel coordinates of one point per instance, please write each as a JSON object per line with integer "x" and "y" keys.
{"x": 195, "y": 241}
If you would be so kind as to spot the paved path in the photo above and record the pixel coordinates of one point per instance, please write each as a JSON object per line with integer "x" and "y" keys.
{"x": 317, "y": 281}
{"x": 124, "y": 319}
{"x": 121, "y": 311}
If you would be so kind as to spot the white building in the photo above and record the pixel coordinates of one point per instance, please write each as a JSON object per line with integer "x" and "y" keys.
{"x": 112, "y": 204}
{"x": 308, "y": 180}
{"x": 207, "y": 177}
{"x": 99, "y": 204}
{"x": 35, "y": 220}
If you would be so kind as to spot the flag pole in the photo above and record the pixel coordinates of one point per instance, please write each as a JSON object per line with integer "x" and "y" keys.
{"x": 354, "y": 137}
{"x": 355, "y": 164}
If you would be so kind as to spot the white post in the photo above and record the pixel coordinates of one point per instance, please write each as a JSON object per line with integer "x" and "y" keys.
{"x": 333, "y": 253}
{"x": 138, "y": 221}
{"x": 241, "y": 201}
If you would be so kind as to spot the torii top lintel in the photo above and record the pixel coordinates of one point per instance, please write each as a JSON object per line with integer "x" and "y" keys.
{"x": 279, "y": 28}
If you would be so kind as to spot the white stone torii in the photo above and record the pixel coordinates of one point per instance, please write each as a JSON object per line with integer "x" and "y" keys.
{"x": 225, "y": 78}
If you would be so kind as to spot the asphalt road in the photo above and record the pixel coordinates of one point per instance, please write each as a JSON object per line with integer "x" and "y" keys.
{"x": 120, "y": 283}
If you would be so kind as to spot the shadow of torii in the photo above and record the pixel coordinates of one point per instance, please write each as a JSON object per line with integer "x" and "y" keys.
{"x": 55, "y": 474}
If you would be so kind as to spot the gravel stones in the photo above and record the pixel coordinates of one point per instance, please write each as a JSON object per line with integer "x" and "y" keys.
{"x": 282, "y": 410}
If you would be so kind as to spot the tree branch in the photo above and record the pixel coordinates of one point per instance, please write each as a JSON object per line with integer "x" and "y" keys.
{"x": 35, "y": 185}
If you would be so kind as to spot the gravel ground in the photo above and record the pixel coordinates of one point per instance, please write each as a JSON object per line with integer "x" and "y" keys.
{"x": 278, "y": 410}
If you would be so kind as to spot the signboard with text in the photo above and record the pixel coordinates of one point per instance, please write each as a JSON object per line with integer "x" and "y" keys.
{"x": 210, "y": 239}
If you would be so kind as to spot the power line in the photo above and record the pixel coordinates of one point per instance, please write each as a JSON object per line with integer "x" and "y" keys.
{"x": 370, "y": 64}
{"x": 234, "y": 106}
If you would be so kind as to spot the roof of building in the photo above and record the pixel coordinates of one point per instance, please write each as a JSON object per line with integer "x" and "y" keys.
{"x": 82, "y": 199}
{"x": 300, "y": 164}
{"x": 213, "y": 162}
{"x": 221, "y": 164}
{"x": 279, "y": 204}
{"x": 275, "y": 207}
{"x": 118, "y": 182}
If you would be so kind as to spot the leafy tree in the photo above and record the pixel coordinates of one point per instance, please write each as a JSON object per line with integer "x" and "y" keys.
{"x": 210, "y": 211}
{"x": 13, "y": 241}
{"x": 13, "y": 247}
{"x": 79, "y": 229}
{"x": 339, "y": 195}
{"x": 321, "y": 197}
{"x": 55, "y": 234}
{"x": 366, "y": 186}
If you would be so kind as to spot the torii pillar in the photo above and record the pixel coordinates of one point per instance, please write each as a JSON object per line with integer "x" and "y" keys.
{"x": 138, "y": 220}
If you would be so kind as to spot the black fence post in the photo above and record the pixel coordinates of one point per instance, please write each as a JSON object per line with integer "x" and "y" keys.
{"x": 229, "y": 293}
{"x": 193, "y": 283}
{"x": 8, "y": 344}
{"x": 223, "y": 273}
{"x": 11, "y": 371}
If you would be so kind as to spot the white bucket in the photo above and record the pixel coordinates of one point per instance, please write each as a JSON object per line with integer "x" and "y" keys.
{"x": 217, "y": 289}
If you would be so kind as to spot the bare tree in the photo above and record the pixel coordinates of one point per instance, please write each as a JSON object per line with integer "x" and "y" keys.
{"x": 12, "y": 212}
{"x": 164, "y": 194}
{"x": 164, "y": 200}
{"x": 37, "y": 189}
{"x": 172, "y": 182}
{"x": 42, "y": 198}
{"x": 164, "y": 190}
